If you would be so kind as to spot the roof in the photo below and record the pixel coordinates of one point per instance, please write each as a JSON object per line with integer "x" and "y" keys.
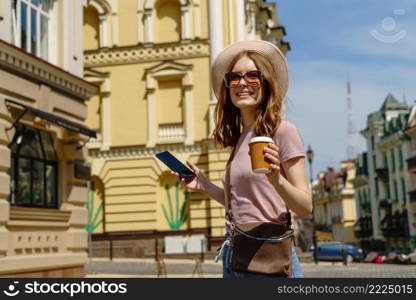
{"x": 391, "y": 103}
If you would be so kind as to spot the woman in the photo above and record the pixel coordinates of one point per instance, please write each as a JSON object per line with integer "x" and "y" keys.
{"x": 250, "y": 80}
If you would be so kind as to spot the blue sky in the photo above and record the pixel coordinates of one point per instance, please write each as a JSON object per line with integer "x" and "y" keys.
{"x": 372, "y": 40}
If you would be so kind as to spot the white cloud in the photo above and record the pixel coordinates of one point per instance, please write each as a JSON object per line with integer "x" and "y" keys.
{"x": 318, "y": 105}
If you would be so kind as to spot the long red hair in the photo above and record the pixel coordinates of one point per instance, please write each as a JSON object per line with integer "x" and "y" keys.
{"x": 228, "y": 123}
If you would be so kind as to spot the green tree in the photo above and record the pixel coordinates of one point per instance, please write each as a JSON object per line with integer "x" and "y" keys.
{"x": 177, "y": 215}
{"x": 93, "y": 221}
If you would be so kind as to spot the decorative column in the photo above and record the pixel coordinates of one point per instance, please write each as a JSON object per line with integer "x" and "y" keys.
{"x": 4, "y": 179}
{"x": 216, "y": 29}
{"x": 148, "y": 34}
{"x": 151, "y": 112}
{"x": 197, "y": 19}
{"x": 189, "y": 120}
{"x": 185, "y": 23}
{"x": 106, "y": 121}
{"x": 252, "y": 16}
{"x": 241, "y": 19}
{"x": 103, "y": 30}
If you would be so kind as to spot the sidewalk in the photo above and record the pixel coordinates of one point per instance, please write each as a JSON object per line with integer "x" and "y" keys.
{"x": 175, "y": 268}
{"x": 147, "y": 268}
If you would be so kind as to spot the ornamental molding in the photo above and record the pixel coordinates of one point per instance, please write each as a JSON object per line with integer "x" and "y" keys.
{"x": 142, "y": 151}
{"x": 145, "y": 53}
{"x": 390, "y": 141}
{"x": 17, "y": 60}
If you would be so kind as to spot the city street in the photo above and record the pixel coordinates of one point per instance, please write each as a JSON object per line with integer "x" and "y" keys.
{"x": 145, "y": 268}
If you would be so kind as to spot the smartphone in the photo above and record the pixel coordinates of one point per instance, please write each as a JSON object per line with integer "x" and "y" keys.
{"x": 175, "y": 165}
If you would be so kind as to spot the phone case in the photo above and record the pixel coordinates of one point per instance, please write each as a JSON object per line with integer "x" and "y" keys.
{"x": 175, "y": 165}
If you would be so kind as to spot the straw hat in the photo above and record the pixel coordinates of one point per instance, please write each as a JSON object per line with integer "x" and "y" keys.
{"x": 267, "y": 49}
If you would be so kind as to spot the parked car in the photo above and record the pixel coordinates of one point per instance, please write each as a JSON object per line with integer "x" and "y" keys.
{"x": 380, "y": 259}
{"x": 338, "y": 251}
{"x": 371, "y": 257}
{"x": 412, "y": 257}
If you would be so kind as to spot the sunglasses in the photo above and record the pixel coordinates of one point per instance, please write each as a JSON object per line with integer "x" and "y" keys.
{"x": 252, "y": 78}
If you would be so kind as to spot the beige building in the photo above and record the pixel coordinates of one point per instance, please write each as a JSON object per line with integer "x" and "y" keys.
{"x": 43, "y": 178}
{"x": 334, "y": 204}
{"x": 152, "y": 60}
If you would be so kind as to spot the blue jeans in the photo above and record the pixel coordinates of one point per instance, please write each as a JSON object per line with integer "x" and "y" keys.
{"x": 228, "y": 273}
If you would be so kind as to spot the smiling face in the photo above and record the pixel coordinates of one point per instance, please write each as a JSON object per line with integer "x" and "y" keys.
{"x": 245, "y": 96}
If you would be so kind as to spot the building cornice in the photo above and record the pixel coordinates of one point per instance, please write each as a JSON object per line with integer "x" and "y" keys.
{"x": 146, "y": 53}
{"x": 390, "y": 141}
{"x": 37, "y": 69}
{"x": 142, "y": 151}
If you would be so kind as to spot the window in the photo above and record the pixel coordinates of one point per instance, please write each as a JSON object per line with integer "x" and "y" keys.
{"x": 30, "y": 26}
{"x": 385, "y": 164}
{"x": 393, "y": 162}
{"x": 396, "y": 192}
{"x": 403, "y": 190}
{"x": 34, "y": 171}
{"x": 401, "y": 159}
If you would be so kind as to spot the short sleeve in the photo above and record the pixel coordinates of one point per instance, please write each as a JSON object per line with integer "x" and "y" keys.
{"x": 289, "y": 141}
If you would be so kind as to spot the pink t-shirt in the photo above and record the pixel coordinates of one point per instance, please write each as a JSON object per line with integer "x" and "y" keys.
{"x": 254, "y": 199}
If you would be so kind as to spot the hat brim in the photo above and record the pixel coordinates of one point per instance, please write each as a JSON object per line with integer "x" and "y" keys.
{"x": 267, "y": 49}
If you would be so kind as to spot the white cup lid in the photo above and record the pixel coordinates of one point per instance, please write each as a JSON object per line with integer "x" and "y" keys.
{"x": 261, "y": 139}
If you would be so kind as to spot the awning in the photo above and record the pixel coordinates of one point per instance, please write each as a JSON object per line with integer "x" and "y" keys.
{"x": 72, "y": 126}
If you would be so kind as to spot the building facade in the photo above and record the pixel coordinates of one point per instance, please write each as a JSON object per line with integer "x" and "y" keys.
{"x": 363, "y": 228}
{"x": 388, "y": 181}
{"x": 43, "y": 178}
{"x": 152, "y": 61}
{"x": 334, "y": 204}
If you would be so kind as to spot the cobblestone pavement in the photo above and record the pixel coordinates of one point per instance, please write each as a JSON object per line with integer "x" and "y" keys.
{"x": 187, "y": 268}
{"x": 359, "y": 270}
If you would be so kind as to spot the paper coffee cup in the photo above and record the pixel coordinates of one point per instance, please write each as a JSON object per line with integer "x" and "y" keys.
{"x": 258, "y": 160}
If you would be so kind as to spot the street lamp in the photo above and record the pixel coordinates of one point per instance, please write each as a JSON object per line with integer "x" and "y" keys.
{"x": 309, "y": 154}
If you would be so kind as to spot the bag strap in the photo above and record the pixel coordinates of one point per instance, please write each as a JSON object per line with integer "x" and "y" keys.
{"x": 286, "y": 236}
{"x": 228, "y": 187}
{"x": 227, "y": 205}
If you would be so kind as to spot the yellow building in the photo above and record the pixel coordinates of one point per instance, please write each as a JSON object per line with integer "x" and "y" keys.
{"x": 334, "y": 204}
{"x": 152, "y": 60}
{"x": 43, "y": 178}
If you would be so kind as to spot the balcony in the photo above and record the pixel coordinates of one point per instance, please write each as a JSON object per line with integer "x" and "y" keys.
{"x": 336, "y": 220}
{"x": 363, "y": 228}
{"x": 395, "y": 225}
{"x": 386, "y": 203}
{"x": 383, "y": 174}
{"x": 411, "y": 164}
{"x": 366, "y": 206}
{"x": 171, "y": 131}
{"x": 95, "y": 143}
{"x": 412, "y": 196}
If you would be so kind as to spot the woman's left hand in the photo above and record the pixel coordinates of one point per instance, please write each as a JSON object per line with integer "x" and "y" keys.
{"x": 271, "y": 153}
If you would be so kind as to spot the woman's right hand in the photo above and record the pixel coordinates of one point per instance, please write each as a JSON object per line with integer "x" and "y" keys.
{"x": 198, "y": 183}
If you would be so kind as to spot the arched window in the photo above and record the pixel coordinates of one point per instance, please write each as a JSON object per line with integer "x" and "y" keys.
{"x": 91, "y": 28}
{"x": 34, "y": 169}
{"x": 168, "y": 27}
{"x": 97, "y": 24}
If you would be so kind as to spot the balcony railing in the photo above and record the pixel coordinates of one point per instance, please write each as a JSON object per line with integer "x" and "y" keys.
{"x": 383, "y": 174}
{"x": 412, "y": 196}
{"x": 386, "y": 203}
{"x": 336, "y": 220}
{"x": 411, "y": 164}
{"x": 95, "y": 143}
{"x": 171, "y": 131}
